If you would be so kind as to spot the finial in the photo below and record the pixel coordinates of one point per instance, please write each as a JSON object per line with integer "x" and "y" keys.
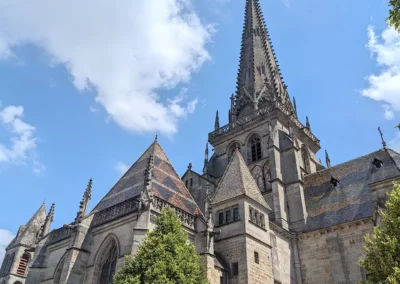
{"x": 294, "y": 103}
{"x": 327, "y": 159}
{"x": 50, "y": 216}
{"x": 398, "y": 126}
{"x": 383, "y": 140}
{"x": 190, "y": 166}
{"x": 229, "y": 116}
{"x": 156, "y": 138}
{"x": 205, "y": 160}
{"x": 87, "y": 195}
{"x": 216, "y": 121}
{"x": 308, "y": 123}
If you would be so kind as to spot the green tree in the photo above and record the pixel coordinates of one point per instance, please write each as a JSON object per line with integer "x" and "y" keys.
{"x": 382, "y": 260}
{"x": 394, "y": 14}
{"x": 165, "y": 257}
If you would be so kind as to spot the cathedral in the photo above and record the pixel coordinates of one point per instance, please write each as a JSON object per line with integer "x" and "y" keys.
{"x": 264, "y": 210}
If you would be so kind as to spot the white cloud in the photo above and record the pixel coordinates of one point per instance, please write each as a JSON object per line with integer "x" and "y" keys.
{"x": 93, "y": 109}
{"x": 5, "y": 238}
{"x": 127, "y": 50}
{"x": 395, "y": 142}
{"x": 385, "y": 86}
{"x": 389, "y": 115}
{"x": 22, "y": 139}
{"x": 121, "y": 168}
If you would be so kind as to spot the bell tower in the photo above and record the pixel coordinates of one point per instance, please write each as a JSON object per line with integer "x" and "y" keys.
{"x": 263, "y": 124}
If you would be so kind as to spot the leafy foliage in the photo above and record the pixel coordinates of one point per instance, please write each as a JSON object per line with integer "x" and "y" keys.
{"x": 165, "y": 257}
{"x": 382, "y": 261}
{"x": 394, "y": 14}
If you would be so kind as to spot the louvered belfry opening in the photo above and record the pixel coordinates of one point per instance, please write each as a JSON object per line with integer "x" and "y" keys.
{"x": 23, "y": 264}
{"x": 256, "y": 149}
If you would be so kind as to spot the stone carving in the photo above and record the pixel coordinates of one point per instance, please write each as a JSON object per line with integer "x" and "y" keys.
{"x": 115, "y": 212}
{"x": 258, "y": 177}
{"x": 185, "y": 218}
{"x": 59, "y": 235}
{"x": 256, "y": 114}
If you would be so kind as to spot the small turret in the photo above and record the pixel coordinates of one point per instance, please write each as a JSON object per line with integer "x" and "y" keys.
{"x": 49, "y": 219}
{"x": 84, "y": 203}
{"x": 216, "y": 121}
{"x": 205, "y": 160}
{"x": 327, "y": 159}
{"x": 232, "y": 110}
{"x": 308, "y": 126}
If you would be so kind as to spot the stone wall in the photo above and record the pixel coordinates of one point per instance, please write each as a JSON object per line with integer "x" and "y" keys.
{"x": 233, "y": 250}
{"x": 331, "y": 256}
{"x": 282, "y": 259}
{"x": 261, "y": 272}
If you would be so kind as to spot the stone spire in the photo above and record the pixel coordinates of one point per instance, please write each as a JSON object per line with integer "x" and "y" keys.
{"x": 84, "y": 203}
{"x": 308, "y": 126}
{"x": 232, "y": 116}
{"x": 205, "y": 159}
{"x": 216, "y": 125}
{"x": 47, "y": 222}
{"x": 294, "y": 106}
{"x": 327, "y": 159}
{"x": 259, "y": 82}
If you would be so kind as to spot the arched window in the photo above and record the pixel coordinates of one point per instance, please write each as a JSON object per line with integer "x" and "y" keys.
{"x": 23, "y": 264}
{"x": 58, "y": 272}
{"x": 17, "y": 282}
{"x": 258, "y": 176}
{"x": 267, "y": 176}
{"x": 255, "y": 148}
{"x": 109, "y": 264}
{"x": 305, "y": 158}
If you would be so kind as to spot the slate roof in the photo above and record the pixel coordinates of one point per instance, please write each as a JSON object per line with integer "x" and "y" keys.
{"x": 351, "y": 199}
{"x": 236, "y": 181}
{"x": 165, "y": 182}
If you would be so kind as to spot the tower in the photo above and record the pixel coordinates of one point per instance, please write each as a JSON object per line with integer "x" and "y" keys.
{"x": 18, "y": 255}
{"x": 241, "y": 214}
{"x": 278, "y": 149}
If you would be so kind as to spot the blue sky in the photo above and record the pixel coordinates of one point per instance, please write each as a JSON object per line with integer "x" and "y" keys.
{"x": 84, "y": 88}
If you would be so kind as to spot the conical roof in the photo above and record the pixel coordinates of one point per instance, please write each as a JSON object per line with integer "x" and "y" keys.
{"x": 165, "y": 183}
{"x": 238, "y": 181}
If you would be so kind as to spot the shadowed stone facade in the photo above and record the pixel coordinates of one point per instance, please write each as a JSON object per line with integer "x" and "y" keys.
{"x": 263, "y": 210}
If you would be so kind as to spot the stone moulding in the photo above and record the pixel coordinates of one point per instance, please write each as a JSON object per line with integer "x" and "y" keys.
{"x": 186, "y": 218}
{"x": 59, "y": 235}
{"x": 116, "y": 211}
{"x": 261, "y": 112}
